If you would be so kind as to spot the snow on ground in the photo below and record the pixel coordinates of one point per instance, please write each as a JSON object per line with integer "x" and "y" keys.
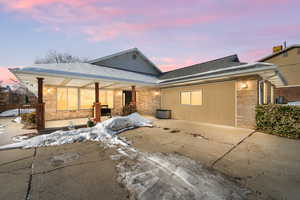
{"x": 18, "y": 120}
{"x": 148, "y": 176}
{"x": 295, "y": 103}
{"x": 104, "y": 132}
{"x": 15, "y": 112}
{"x": 156, "y": 176}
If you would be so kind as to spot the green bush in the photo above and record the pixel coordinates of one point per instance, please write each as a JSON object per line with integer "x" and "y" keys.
{"x": 282, "y": 120}
{"x": 28, "y": 118}
{"x": 90, "y": 123}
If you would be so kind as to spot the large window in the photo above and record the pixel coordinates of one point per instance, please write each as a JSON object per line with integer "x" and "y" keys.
{"x": 87, "y": 98}
{"x": 67, "y": 98}
{"x": 107, "y": 98}
{"x": 191, "y": 97}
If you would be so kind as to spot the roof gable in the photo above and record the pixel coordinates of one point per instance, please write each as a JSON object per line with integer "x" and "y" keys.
{"x": 221, "y": 63}
{"x": 131, "y": 60}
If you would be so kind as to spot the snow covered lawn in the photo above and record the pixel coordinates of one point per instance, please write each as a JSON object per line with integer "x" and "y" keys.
{"x": 15, "y": 112}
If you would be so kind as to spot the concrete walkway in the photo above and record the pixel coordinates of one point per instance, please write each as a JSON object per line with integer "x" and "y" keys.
{"x": 74, "y": 171}
{"x": 267, "y": 164}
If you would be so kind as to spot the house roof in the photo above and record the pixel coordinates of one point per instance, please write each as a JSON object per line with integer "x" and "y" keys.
{"x": 133, "y": 50}
{"x": 278, "y": 53}
{"x": 85, "y": 74}
{"x": 221, "y": 63}
{"x": 80, "y": 75}
{"x": 265, "y": 70}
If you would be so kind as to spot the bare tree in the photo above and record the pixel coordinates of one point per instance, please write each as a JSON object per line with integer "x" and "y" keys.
{"x": 56, "y": 57}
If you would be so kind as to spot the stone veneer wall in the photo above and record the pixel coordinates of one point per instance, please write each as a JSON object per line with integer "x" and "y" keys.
{"x": 246, "y": 101}
{"x": 147, "y": 101}
{"x": 289, "y": 93}
{"x": 50, "y": 107}
{"x": 117, "y": 103}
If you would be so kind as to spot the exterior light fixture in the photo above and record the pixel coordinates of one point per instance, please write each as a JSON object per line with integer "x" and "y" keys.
{"x": 49, "y": 90}
{"x": 119, "y": 93}
{"x": 156, "y": 93}
{"x": 244, "y": 85}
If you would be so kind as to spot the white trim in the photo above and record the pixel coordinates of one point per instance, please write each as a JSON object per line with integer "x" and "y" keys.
{"x": 271, "y": 66}
{"x": 223, "y": 75}
{"x": 235, "y": 106}
{"x": 286, "y": 86}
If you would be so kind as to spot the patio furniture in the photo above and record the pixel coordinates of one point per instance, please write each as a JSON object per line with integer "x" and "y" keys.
{"x": 105, "y": 110}
{"x": 163, "y": 114}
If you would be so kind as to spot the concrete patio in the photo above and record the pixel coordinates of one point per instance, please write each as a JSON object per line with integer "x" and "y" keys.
{"x": 268, "y": 165}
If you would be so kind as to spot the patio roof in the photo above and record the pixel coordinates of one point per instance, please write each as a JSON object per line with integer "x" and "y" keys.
{"x": 81, "y": 75}
{"x": 84, "y": 75}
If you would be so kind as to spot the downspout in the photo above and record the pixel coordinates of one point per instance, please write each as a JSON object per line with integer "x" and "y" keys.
{"x": 259, "y": 92}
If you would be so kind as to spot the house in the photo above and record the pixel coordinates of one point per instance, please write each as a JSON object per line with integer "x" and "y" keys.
{"x": 223, "y": 91}
{"x": 288, "y": 62}
{"x": 13, "y": 96}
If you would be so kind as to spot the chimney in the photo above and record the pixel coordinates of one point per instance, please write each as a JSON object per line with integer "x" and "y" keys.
{"x": 284, "y": 44}
{"x": 277, "y": 48}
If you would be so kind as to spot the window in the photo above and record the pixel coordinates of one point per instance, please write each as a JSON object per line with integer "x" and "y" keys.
{"x": 185, "y": 97}
{"x": 107, "y": 98}
{"x": 191, "y": 97}
{"x": 67, "y": 98}
{"x": 87, "y": 98}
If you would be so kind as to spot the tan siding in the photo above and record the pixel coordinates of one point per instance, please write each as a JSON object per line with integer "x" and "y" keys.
{"x": 218, "y": 103}
{"x": 289, "y": 65}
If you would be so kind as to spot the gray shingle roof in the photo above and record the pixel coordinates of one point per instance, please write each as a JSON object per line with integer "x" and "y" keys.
{"x": 221, "y": 63}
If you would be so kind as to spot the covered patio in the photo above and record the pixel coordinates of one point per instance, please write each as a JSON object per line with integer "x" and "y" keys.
{"x": 69, "y": 94}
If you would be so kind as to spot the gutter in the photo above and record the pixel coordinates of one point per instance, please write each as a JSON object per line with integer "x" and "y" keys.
{"x": 221, "y": 70}
{"x": 74, "y": 75}
{"x": 220, "y": 75}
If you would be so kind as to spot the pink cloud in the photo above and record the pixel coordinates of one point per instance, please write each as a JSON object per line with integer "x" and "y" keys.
{"x": 255, "y": 54}
{"x": 100, "y": 19}
{"x": 6, "y": 76}
{"x": 167, "y": 64}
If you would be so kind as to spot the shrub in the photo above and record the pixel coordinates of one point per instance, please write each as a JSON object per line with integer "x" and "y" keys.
{"x": 90, "y": 123}
{"x": 282, "y": 120}
{"x": 29, "y": 118}
{"x": 128, "y": 109}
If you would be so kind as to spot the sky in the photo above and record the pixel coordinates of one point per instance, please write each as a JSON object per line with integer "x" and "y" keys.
{"x": 171, "y": 33}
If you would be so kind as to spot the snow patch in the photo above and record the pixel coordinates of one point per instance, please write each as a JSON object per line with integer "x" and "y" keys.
{"x": 170, "y": 176}
{"x": 104, "y": 132}
{"x": 17, "y": 120}
{"x": 15, "y": 112}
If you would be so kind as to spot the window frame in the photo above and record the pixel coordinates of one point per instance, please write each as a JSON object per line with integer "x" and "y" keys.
{"x": 190, "y": 97}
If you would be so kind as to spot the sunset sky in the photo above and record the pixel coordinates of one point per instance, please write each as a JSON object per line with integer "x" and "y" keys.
{"x": 172, "y": 33}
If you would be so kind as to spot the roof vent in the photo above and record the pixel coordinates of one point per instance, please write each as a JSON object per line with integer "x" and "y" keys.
{"x": 134, "y": 56}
